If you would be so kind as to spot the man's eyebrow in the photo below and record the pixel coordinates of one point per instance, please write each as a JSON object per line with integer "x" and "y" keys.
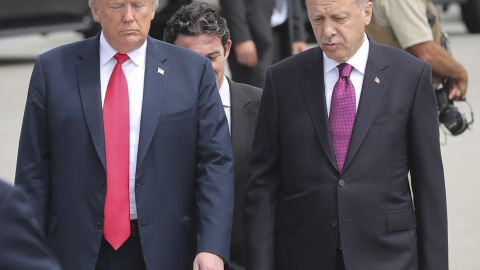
{"x": 213, "y": 53}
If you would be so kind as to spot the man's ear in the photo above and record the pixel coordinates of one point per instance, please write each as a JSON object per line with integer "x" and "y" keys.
{"x": 152, "y": 14}
{"x": 95, "y": 13}
{"x": 228, "y": 46}
{"x": 368, "y": 10}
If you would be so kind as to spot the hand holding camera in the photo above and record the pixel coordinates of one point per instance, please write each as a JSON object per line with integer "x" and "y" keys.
{"x": 449, "y": 115}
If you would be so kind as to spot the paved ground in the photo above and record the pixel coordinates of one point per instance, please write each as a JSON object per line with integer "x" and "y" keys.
{"x": 461, "y": 154}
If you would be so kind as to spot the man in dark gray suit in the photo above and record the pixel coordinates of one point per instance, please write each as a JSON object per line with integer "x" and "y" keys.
{"x": 22, "y": 243}
{"x": 200, "y": 28}
{"x": 263, "y": 32}
{"x": 340, "y": 129}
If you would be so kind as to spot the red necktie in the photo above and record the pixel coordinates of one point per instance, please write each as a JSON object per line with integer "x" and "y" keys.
{"x": 116, "y": 123}
{"x": 342, "y": 113}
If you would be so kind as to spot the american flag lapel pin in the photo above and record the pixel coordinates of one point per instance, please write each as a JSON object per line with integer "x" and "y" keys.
{"x": 160, "y": 71}
{"x": 377, "y": 80}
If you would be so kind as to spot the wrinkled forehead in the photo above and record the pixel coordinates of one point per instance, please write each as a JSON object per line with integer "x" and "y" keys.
{"x": 154, "y": 3}
{"x": 328, "y": 4}
{"x": 331, "y": 7}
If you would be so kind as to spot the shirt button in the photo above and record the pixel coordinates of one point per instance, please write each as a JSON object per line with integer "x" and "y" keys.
{"x": 100, "y": 184}
{"x": 334, "y": 223}
{"x": 341, "y": 183}
{"x": 98, "y": 225}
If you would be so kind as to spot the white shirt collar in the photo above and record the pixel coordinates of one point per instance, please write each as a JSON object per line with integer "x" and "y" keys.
{"x": 225, "y": 92}
{"x": 107, "y": 52}
{"x": 358, "y": 60}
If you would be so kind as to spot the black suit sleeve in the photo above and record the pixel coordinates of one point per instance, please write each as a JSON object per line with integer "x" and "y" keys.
{"x": 236, "y": 15}
{"x": 22, "y": 243}
{"x": 298, "y": 17}
{"x": 33, "y": 160}
{"x": 427, "y": 178}
{"x": 261, "y": 192}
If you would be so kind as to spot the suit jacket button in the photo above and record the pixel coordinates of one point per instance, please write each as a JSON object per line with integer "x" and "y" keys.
{"x": 335, "y": 223}
{"x": 341, "y": 183}
{"x": 98, "y": 225}
{"x": 100, "y": 184}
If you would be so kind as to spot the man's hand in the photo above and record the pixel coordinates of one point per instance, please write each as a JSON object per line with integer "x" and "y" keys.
{"x": 298, "y": 47}
{"x": 246, "y": 53}
{"x": 443, "y": 64}
{"x": 207, "y": 261}
{"x": 459, "y": 89}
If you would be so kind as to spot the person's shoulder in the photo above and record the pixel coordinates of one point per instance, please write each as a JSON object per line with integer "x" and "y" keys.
{"x": 390, "y": 54}
{"x": 398, "y": 61}
{"x": 398, "y": 56}
{"x": 5, "y": 190}
{"x": 303, "y": 57}
{"x": 253, "y": 92}
{"x": 297, "y": 62}
{"x": 11, "y": 197}
{"x": 71, "y": 49}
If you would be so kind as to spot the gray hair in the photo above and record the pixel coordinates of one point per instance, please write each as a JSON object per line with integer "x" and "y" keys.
{"x": 196, "y": 19}
{"x": 93, "y": 3}
{"x": 360, "y": 3}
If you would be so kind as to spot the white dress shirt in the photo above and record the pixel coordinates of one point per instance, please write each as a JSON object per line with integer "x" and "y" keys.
{"x": 134, "y": 70}
{"x": 225, "y": 96}
{"x": 280, "y": 13}
{"x": 359, "y": 63}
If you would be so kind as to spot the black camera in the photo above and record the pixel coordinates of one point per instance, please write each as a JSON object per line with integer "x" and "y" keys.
{"x": 448, "y": 114}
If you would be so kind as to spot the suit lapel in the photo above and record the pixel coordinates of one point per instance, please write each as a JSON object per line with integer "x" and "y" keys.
{"x": 156, "y": 77}
{"x": 89, "y": 86}
{"x": 375, "y": 85}
{"x": 313, "y": 88}
{"x": 239, "y": 112}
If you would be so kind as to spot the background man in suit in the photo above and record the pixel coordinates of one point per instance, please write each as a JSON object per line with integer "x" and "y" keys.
{"x": 177, "y": 194}
{"x": 22, "y": 243}
{"x": 200, "y": 28}
{"x": 328, "y": 179}
{"x": 263, "y": 32}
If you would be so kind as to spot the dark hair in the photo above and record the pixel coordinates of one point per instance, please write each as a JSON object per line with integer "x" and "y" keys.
{"x": 196, "y": 19}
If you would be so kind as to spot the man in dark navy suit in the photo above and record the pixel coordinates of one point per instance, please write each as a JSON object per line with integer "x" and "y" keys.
{"x": 128, "y": 165}
{"x": 21, "y": 241}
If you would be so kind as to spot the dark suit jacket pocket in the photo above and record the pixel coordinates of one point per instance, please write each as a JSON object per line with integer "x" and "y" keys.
{"x": 51, "y": 222}
{"x": 401, "y": 220}
{"x": 388, "y": 118}
{"x": 177, "y": 116}
{"x": 286, "y": 223}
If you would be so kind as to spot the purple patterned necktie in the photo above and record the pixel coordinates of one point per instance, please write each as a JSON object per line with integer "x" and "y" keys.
{"x": 342, "y": 113}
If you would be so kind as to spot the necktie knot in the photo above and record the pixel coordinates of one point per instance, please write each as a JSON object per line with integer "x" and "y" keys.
{"x": 345, "y": 70}
{"x": 121, "y": 58}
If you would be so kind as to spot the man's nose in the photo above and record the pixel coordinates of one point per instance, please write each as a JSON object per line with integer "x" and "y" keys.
{"x": 329, "y": 28}
{"x": 128, "y": 14}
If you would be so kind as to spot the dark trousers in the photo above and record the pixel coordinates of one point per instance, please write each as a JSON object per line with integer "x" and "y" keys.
{"x": 339, "y": 263}
{"x": 280, "y": 48}
{"x": 128, "y": 257}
